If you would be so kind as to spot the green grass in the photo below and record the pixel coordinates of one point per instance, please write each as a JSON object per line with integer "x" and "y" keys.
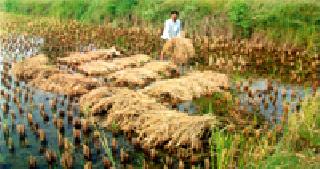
{"x": 304, "y": 128}
{"x": 286, "y": 21}
{"x": 214, "y": 104}
{"x": 296, "y": 149}
{"x": 221, "y": 145}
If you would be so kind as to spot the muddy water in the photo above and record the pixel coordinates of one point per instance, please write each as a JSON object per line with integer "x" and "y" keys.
{"x": 22, "y": 101}
{"x": 17, "y": 148}
{"x": 262, "y": 96}
{"x": 31, "y": 145}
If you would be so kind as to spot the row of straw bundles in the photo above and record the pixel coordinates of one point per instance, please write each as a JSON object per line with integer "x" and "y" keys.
{"x": 67, "y": 84}
{"x": 193, "y": 85}
{"x": 134, "y": 111}
{"x": 154, "y": 123}
{"x": 30, "y": 68}
{"x": 77, "y": 58}
{"x": 144, "y": 75}
{"x": 159, "y": 127}
{"x": 99, "y": 100}
{"x": 166, "y": 68}
{"x": 101, "y": 68}
{"x": 172, "y": 129}
{"x": 96, "y": 101}
{"x": 134, "y": 77}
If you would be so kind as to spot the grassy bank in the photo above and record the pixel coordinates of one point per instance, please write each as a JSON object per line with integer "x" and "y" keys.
{"x": 300, "y": 146}
{"x": 288, "y": 21}
{"x": 298, "y": 143}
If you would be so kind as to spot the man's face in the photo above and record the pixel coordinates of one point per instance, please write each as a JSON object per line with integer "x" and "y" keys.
{"x": 174, "y": 16}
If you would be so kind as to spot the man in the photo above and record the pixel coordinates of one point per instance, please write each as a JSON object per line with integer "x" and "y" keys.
{"x": 172, "y": 28}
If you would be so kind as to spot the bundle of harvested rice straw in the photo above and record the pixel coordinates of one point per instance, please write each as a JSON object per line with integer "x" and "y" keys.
{"x": 179, "y": 49}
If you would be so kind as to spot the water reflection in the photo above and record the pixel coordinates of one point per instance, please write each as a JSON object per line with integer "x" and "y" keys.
{"x": 18, "y": 47}
{"x": 269, "y": 98}
{"x": 39, "y": 127}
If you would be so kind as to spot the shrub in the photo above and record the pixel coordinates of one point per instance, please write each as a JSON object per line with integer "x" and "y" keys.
{"x": 240, "y": 16}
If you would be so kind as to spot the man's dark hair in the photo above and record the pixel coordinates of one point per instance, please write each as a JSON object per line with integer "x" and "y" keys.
{"x": 174, "y": 12}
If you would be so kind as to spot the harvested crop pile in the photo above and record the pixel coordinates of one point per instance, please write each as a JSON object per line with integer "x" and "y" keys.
{"x": 98, "y": 68}
{"x": 67, "y": 84}
{"x": 32, "y": 67}
{"x": 166, "y": 68}
{"x": 154, "y": 123}
{"x": 134, "y": 77}
{"x": 99, "y": 100}
{"x": 93, "y": 97}
{"x": 159, "y": 127}
{"x": 101, "y": 68}
{"x": 179, "y": 49}
{"x": 77, "y": 58}
{"x": 171, "y": 129}
{"x": 140, "y": 77}
{"x": 133, "y": 61}
{"x": 193, "y": 85}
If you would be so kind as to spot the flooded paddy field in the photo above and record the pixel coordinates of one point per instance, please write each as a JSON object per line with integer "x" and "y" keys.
{"x": 41, "y": 129}
{"x": 250, "y": 103}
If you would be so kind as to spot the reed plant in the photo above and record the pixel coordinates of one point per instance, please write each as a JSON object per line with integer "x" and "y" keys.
{"x": 102, "y": 135}
{"x": 296, "y": 147}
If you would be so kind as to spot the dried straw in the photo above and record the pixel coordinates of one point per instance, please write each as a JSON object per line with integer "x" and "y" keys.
{"x": 154, "y": 123}
{"x": 140, "y": 77}
{"x": 180, "y": 50}
{"x": 193, "y": 85}
{"x": 33, "y": 67}
{"x": 77, "y": 58}
{"x": 102, "y": 68}
{"x": 67, "y": 84}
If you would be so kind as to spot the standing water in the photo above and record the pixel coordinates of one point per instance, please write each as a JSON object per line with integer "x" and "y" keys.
{"x": 40, "y": 129}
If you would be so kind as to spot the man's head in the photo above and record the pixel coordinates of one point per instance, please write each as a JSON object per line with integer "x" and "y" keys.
{"x": 174, "y": 15}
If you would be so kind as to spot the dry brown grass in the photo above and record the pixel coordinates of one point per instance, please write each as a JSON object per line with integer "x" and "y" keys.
{"x": 168, "y": 128}
{"x": 161, "y": 67}
{"x": 77, "y": 58}
{"x": 94, "y": 102}
{"x": 193, "y": 85}
{"x": 154, "y": 123}
{"x": 134, "y": 77}
{"x": 102, "y": 68}
{"x": 33, "y": 67}
{"x": 67, "y": 84}
{"x": 140, "y": 77}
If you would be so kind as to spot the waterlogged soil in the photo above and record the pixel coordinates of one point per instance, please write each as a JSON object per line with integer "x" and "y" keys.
{"x": 264, "y": 98}
{"x": 30, "y": 145}
{"x": 252, "y": 98}
{"x": 24, "y": 100}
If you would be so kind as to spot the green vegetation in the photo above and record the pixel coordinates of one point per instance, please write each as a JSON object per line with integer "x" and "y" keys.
{"x": 241, "y": 17}
{"x": 216, "y": 103}
{"x": 288, "y": 21}
{"x": 298, "y": 147}
{"x": 115, "y": 127}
